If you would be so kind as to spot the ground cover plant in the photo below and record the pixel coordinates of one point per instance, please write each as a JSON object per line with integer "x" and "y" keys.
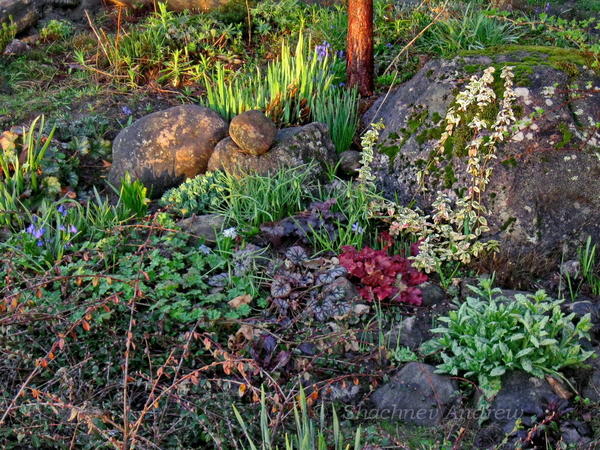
{"x": 266, "y": 309}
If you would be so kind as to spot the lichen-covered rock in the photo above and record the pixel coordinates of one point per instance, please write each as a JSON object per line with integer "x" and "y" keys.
{"x": 166, "y": 147}
{"x": 545, "y": 183}
{"x": 293, "y": 147}
{"x": 253, "y": 132}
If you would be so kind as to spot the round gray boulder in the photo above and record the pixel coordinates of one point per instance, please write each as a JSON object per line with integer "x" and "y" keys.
{"x": 253, "y": 132}
{"x": 164, "y": 148}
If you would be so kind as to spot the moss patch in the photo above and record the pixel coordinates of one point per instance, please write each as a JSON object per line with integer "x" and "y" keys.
{"x": 566, "y": 60}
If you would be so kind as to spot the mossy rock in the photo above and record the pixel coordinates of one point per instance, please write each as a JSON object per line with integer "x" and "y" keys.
{"x": 546, "y": 179}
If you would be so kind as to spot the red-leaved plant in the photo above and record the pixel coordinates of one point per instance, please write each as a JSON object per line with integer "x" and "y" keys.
{"x": 383, "y": 276}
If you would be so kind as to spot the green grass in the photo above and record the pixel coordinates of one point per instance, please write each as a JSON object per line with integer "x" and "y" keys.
{"x": 254, "y": 199}
{"x": 473, "y": 31}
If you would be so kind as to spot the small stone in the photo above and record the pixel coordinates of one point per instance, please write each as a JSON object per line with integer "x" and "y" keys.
{"x": 411, "y": 332}
{"x": 349, "y": 162}
{"x": 432, "y": 294}
{"x": 16, "y": 47}
{"x": 253, "y": 132}
{"x": 206, "y": 226}
{"x": 592, "y": 387}
{"x": 521, "y": 396}
{"x": 415, "y": 395}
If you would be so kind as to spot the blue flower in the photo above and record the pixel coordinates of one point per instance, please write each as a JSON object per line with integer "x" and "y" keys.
{"x": 204, "y": 249}
{"x": 323, "y": 50}
{"x": 73, "y": 229}
{"x": 341, "y": 54}
{"x": 126, "y": 110}
{"x": 40, "y": 243}
{"x": 62, "y": 228}
{"x": 389, "y": 45}
{"x": 357, "y": 228}
{"x": 61, "y": 209}
{"x": 35, "y": 232}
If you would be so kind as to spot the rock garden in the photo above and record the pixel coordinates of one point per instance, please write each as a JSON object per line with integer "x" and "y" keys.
{"x": 211, "y": 236}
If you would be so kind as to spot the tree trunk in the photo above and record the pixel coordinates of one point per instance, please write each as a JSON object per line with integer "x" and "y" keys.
{"x": 360, "y": 45}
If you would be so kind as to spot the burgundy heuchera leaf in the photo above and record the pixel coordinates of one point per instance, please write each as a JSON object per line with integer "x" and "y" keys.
{"x": 379, "y": 273}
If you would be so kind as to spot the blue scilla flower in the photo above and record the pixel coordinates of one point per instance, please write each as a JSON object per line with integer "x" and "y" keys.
{"x": 35, "y": 232}
{"x": 61, "y": 209}
{"x": 204, "y": 249}
{"x": 126, "y": 110}
{"x": 323, "y": 50}
{"x": 357, "y": 228}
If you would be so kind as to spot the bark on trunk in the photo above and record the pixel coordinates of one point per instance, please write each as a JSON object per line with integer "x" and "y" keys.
{"x": 360, "y": 45}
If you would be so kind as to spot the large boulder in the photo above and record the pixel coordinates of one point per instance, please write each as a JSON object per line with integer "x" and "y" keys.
{"x": 545, "y": 185}
{"x": 166, "y": 147}
{"x": 293, "y": 147}
{"x": 24, "y": 13}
